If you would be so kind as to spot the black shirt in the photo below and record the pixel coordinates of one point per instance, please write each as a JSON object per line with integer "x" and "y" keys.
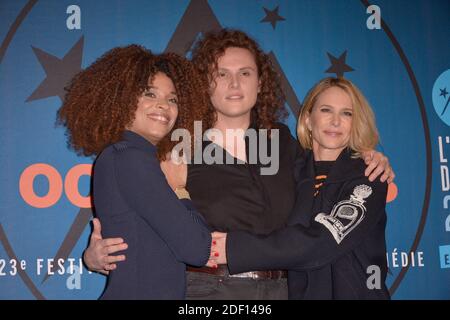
{"x": 321, "y": 169}
{"x": 238, "y": 197}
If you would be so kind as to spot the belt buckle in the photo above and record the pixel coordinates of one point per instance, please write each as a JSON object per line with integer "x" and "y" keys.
{"x": 249, "y": 274}
{"x": 257, "y": 275}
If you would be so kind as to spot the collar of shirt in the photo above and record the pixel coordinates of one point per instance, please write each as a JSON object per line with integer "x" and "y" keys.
{"x": 138, "y": 141}
{"x": 345, "y": 167}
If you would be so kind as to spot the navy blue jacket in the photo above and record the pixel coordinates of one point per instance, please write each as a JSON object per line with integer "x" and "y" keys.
{"x": 332, "y": 239}
{"x": 133, "y": 200}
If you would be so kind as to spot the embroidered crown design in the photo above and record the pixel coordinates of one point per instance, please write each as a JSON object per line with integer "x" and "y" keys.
{"x": 361, "y": 192}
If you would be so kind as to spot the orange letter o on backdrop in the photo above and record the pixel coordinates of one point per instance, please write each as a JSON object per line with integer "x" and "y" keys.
{"x": 71, "y": 185}
{"x": 55, "y": 186}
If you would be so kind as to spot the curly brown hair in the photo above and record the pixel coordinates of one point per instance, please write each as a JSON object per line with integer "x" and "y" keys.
{"x": 101, "y": 100}
{"x": 269, "y": 106}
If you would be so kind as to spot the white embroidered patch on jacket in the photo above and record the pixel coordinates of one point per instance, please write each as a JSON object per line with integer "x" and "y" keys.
{"x": 346, "y": 214}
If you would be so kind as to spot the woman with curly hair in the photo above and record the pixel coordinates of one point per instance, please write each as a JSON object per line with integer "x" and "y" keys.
{"x": 123, "y": 109}
{"x": 245, "y": 93}
{"x": 245, "y": 96}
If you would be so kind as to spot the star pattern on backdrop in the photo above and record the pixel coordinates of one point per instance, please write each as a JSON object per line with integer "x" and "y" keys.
{"x": 338, "y": 65}
{"x": 444, "y": 93}
{"x": 58, "y": 71}
{"x": 272, "y": 17}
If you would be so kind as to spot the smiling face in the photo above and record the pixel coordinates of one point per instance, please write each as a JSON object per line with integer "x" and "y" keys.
{"x": 235, "y": 87}
{"x": 157, "y": 110}
{"x": 330, "y": 123}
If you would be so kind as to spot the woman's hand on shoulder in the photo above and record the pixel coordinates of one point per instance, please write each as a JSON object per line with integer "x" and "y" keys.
{"x": 378, "y": 164}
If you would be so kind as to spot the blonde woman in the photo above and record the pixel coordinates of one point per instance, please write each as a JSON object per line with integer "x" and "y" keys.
{"x": 335, "y": 245}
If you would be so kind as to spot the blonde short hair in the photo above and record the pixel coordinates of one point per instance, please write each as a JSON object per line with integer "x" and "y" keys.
{"x": 363, "y": 135}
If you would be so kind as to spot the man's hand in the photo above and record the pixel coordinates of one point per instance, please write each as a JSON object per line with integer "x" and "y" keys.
{"x": 97, "y": 256}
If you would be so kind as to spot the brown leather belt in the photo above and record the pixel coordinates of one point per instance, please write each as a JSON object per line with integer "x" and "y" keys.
{"x": 222, "y": 271}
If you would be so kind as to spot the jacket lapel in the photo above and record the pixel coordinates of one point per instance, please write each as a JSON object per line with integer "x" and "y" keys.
{"x": 302, "y": 211}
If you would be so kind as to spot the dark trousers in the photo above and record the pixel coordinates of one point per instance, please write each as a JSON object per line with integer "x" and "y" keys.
{"x": 203, "y": 286}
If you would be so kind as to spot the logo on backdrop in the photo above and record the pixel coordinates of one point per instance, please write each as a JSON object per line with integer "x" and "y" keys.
{"x": 444, "y": 254}
{"x": 441, "y": 96}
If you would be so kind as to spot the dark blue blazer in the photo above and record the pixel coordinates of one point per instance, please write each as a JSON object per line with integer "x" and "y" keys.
{"x": 333, "y": 241}
{"x": 133, "y": 200}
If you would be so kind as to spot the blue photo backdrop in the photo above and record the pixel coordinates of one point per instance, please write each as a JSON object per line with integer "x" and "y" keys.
{"x": 397, "y": 52}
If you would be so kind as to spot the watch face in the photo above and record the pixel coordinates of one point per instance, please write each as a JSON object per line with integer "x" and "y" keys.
{"x": 396, "y": 55}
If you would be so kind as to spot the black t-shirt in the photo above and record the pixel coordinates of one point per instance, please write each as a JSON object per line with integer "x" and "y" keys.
{"x": 238, "y": 197}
